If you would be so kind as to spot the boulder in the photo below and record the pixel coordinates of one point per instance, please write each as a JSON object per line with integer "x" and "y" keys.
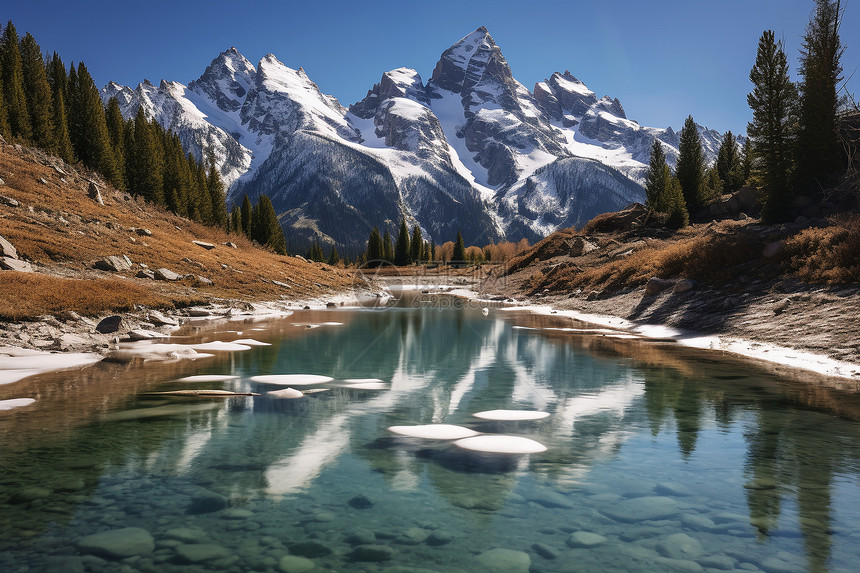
{"x": 203, "y": 281}
{"x": 163, "y": 274}
{"x": 10, "y": 264}
{"x": 8, "y": 201}
{"x": 206, "y": 502}
{"x": 295, "y": 564}
{"x": 143, "y": 232}
{"x": 109, "y": 325}
{"x": 199, "y": 552}
{"x": 113, "y": 264}
{"x": 585, "y": 539}
{"x": 372, "y": 553}
{"x": 683, "y": 285}
{"x": 504, "y": 561}
{"x": 142, "y": 334}
{"x": 205, "y": 245}
{"x": 145, "y": 274}
{"x": 7, "y": 249}
{"x": 94, "y": 193}
{"x": 160, "y": 320}
{"x": 579, "y": 247}
{"x": 774, "y": 249}
{"x": 118, "y": 543}
{"x": 656, "y": 285}
{"x": 680, "y": 546}
{"x": 231, "y": 244}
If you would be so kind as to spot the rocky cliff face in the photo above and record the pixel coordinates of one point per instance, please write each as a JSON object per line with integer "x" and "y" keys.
{"x": 471, "y": 149}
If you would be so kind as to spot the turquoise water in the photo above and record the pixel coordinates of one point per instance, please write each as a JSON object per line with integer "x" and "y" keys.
{"x": 658, "y": 459}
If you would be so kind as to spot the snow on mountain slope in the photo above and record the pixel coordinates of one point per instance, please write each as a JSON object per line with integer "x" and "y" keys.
{"x": 471, "y": 149}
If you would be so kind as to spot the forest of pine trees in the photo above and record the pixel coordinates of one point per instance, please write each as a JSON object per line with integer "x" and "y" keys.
{"x": 60, "y": 110}
{"x": 792, "y": 147}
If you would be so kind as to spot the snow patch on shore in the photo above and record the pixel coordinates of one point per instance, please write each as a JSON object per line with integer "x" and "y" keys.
{"x": 17, "y": 363}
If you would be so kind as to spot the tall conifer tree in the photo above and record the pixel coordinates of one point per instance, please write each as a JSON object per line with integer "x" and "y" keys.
{"x": 820, "y": 157}
{"x": 5, "y": 129}
{"x": 691, "y": 165}
{"x": 14, "y": 98}
{"x": 374, "y": 248}
{"x": 387, "y": 247}
{"x": 771, "y": 131}
{"x": 655, "y": 178}
{"x": 246, "y": 215}
{"x": 729, "y": 167}
{"x": 401, "y": 247}
{"x": 148, "y": 163}
{"x": 459, "y": 254}
{"x": 94, "y": 143}
{"x": 215, "y": 189}
{"x": 38, "y": 93}
{"x": 116, "y": 132}
{"x": 416, "y": 244}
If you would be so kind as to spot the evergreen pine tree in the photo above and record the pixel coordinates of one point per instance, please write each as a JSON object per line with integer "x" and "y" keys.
{"x": 177, "y": 177}
{"x": 14, "y": 99}
{"x": 236, "y": 220}
{"x": 246, "y": 213}
{"x": 265, "y": 228}
{"x": 655, "y": 178}
{"x": 215, "y": 188}
{"x": 116, "y": 132}
{"x": 771, "y": 131}
{"x": 459, "y": 254}
{"x": 38, "y": 94}
{"x": 374, "y": 248}
{"x": 199, "y": 199}
{"x": 820, "y": 157}
{"x": 5, "y": 128}
{"x": 61, "y": 129}
{"x": 746, "y": 161}
{"x": 432, "y": 250}
{"x": 333, "y": 257}
{"x": 387, "y": 248}
{"x": 691, "y": 165}
{"x": 148, "y": 164}
{"x": 728, "y": 165}
{"x": 401, "y": 247}
{"x": 95, "y": 147}
{"x": 415, "y": 245}
{"x": 674, "y": 203}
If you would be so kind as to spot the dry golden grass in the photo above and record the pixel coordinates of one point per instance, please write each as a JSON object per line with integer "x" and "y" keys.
{"x": 46, "y": 294}
{"x": 697, "y": 254}
{"x": 830, "y": 255}
{"x": 64, "y": 232}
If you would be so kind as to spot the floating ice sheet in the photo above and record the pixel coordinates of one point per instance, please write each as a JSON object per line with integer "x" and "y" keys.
{"x": 208, "y": 378}
{"x": 250, "y": 342}
{"x": 218, "y": 346}
{"x": 511, "y": 415}
{"x": 289, "y": 393}
{"x": 434, "y": 431}
{"x": 15, "y": 403}
{"x": 501, "y": 444}
{"x": 291, "y": 379}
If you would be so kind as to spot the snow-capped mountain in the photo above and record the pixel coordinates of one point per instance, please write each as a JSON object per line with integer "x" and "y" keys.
{"x": 471, "y": 149}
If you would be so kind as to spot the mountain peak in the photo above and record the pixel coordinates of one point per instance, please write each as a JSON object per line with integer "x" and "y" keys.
{"x": 226, "y": 80}
{"x": 463, "y": 64}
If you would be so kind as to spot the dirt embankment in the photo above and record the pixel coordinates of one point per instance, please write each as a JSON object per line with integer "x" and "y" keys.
{"x": 57, "y": 229}
{"x": 791, "y": 284}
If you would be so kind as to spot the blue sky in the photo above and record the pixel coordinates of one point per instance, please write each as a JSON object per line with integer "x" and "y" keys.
{"x": 664, "y": 59}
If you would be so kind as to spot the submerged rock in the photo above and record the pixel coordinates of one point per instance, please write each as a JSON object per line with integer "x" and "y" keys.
{"x": 295, "y": 564}
{"x": 504, "y": 561}
{"x": 199, "y": 552}
{"x": 206, "y": 502}
{"x": 585, "y": 539}
{"x": 360, "y": 501}
{"x": 118, "y": 543}
{"x": 642, "y": 509}
{"x": 372, "y": 553}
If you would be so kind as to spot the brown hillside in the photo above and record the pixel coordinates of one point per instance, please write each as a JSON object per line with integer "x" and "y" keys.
{"x": 62, "y": 232}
